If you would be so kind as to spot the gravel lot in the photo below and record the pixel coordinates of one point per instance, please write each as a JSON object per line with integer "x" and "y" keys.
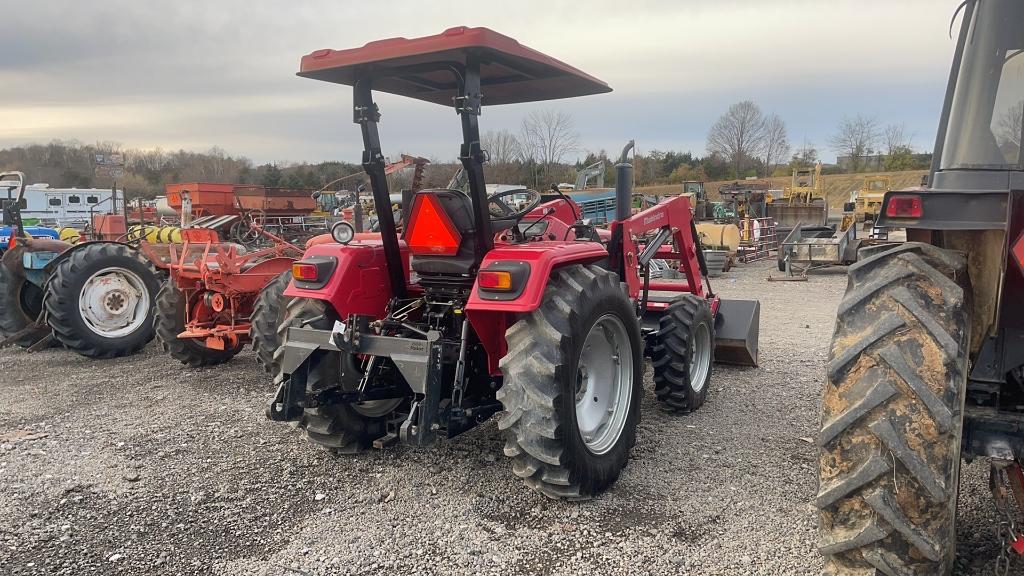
{"x": 140, "y": 466}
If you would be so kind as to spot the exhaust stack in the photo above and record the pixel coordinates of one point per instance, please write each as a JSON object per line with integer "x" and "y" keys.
{"x": 624, "y": 185}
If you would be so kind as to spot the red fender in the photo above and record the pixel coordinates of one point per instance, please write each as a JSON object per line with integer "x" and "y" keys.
{"x": 360, "y": 283}
{"x": 491, "y": 318}
{"x": 326, "y": 238}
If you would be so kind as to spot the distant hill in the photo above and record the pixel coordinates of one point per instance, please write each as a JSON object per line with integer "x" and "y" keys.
{"x": 837, "y": 186}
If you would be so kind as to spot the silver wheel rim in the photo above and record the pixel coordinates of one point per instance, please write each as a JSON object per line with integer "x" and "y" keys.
{"x": 700, "y": 357}
{"x": 604, "y": 384}
{"x": 114, "y": 302}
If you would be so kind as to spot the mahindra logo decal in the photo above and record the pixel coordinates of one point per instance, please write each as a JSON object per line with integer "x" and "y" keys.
{"x": 654, "y": 218}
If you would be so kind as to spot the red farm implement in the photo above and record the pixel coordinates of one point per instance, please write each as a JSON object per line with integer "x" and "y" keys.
{"x": 501, "y": 303}
{"x": 204, "y": 311}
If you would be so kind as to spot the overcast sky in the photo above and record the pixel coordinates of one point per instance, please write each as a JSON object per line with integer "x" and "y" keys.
{"x": 190, "y": 74}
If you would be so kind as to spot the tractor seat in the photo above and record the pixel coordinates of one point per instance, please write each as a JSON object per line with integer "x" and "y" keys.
{"x": 459, "y": 209}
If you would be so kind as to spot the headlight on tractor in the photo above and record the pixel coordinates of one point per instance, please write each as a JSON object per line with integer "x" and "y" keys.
{"x": 342, "y": 232}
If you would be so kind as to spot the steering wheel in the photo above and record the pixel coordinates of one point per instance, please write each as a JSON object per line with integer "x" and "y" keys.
{"x": 501, "y": 209}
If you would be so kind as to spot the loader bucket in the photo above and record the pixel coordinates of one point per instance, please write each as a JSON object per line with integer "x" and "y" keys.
{"x": 736, "y": 332}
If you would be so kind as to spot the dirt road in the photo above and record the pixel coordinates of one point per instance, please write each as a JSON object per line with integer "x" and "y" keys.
{"x": 140, "y": 466}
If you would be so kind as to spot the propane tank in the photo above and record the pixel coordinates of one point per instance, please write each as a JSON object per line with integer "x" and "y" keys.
{"x": 156, "y": 234}
{"x": 69, "y": 235}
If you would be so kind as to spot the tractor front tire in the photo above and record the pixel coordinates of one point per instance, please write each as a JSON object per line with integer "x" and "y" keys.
{"x": 170, "y": 321}
{"x": 892, "y": 415}
{"x": 267, "y": 316}
{"x": 338, "y": 428}
{"x": 20, "y": 304}
{"x": 572, "y": 385}
{"x": 100, "y": 301}
{"x": 683, "y": 352}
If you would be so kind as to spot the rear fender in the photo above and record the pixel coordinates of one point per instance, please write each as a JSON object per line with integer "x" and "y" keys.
{"x": 55, "y": 250}
{"x": 359, "y": 284}
{"x": 326, "y": 238}
{"x": 69, "y": 249}
{"x": 490, "y": 317}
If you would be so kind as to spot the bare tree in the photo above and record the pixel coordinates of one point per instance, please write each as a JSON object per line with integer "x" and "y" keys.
{"x": 855, "y": 138}
{"x": 1010, "y": 125}
{"x": 738, "y": 134}
{"x": 805, "y": 156}
{"x": 549, "y": 136}
{"x": 896, "y": 138}
{"x": 502, "y": 145}
{"x": 776, "y": 143}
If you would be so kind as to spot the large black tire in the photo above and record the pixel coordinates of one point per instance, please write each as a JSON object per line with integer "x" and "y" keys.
{"x": 170, "y": 321}
{"x": 64, "y": 288}
{"x": 337, "y": 428}
{"x": 267, "y": 316}
{"x": 541, "y": 385}
{"x": 892, "y": 415}
{"x": 683, "y": 353}
{"x": 20, "y": 304}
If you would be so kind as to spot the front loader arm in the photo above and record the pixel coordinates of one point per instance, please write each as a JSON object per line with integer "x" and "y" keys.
{"x": 670, "y": 220}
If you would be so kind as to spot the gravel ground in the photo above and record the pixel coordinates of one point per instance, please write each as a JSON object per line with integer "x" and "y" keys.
{"x": 140, "y": 466}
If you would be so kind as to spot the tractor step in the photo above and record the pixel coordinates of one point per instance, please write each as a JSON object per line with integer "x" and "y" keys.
{"x": 385, "y": 440}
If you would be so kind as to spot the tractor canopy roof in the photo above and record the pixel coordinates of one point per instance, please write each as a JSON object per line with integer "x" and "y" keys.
{"x": 509, "y": 72}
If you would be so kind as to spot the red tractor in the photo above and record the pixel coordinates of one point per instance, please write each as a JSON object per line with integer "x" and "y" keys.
{"x": 495, "y": 303}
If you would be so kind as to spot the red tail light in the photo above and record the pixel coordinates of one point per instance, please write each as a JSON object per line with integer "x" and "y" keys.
{"x": 307, "y": 272}
{"x": 904, "y": 207}
{"x": 431, "y": 231}
{"x": 495, "y": 280}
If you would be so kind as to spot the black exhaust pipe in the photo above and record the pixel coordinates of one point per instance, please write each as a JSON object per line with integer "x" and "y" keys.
{"x": 624, "y": 185}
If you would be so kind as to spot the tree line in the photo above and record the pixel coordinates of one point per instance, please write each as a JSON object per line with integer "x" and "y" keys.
{"x": 756, "y": 144}
{"x": 545, "y": 150}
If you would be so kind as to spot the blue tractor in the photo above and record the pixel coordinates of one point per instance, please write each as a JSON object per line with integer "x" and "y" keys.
{"x": 33, "y": 231}
{"x": 94, "y": 298}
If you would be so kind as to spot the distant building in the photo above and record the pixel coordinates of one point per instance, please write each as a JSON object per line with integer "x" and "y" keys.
{"x": 876, "y": 162}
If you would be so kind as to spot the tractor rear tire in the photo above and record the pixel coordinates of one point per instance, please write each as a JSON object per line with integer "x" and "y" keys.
{"x": 892, "y": 415}
{"x": 20, "y": 305}
{"x": 683, "y": 352}
{"x": 87, "y": 270}
{"x": 581, "y": 343}
{"x": 267, "y": 316}
{"x": 337, "y": 428}
{"x": 170, "y": 321}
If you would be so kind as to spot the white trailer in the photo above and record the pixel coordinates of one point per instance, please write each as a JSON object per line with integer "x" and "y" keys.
{"x": 65, "y": 206}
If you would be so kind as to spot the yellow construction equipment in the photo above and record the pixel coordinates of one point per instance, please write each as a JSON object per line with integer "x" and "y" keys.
{"x": 802, "y": 202}
{"x": 805, "y": 188}
{"x": 868, "y": 200}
